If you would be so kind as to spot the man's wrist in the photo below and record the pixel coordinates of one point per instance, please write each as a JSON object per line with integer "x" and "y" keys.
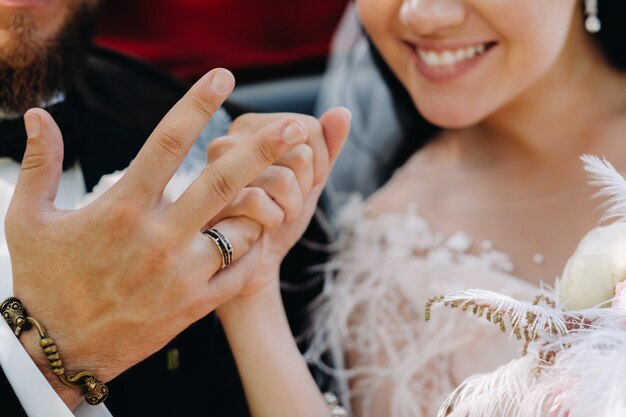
{"x": 61, "y": 361}
{"x": 71, "y": 397}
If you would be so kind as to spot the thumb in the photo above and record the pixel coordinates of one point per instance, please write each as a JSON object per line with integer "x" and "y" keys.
{"x": 336, "y": 125}
{"x": 42, "y": 164}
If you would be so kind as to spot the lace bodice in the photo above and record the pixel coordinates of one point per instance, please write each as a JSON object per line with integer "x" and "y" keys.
{"x": 387, "y": 267}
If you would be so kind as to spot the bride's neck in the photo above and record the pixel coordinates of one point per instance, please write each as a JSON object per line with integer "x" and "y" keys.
{"x": 563, "y": 114}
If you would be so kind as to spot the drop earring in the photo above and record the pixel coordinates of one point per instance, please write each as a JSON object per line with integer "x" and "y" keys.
{"x": 592, "y": 22}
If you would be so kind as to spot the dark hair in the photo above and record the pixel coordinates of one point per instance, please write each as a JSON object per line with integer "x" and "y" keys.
{"x": 612, "y": 37}
{"x": 416, "y": 130}
{"x": 611, "y": 40}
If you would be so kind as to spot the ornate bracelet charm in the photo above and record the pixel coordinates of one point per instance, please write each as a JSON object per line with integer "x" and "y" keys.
{"x": 15, "y": 315}
{"x": 333, "y": 405}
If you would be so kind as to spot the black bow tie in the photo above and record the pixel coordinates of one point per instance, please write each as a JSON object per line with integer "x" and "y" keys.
{"x": 13, "y": 135}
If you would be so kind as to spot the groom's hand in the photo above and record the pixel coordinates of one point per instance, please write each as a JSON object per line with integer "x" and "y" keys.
{"x": 114, "y": 281}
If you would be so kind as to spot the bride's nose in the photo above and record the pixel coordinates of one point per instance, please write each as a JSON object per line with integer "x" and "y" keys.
{"x": 426, "y": 17}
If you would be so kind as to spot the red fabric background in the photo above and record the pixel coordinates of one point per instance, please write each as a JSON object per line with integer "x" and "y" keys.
{"x": 189, "y": 37}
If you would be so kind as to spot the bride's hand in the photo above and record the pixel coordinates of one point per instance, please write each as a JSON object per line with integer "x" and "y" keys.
{"x": 284, "y": 198}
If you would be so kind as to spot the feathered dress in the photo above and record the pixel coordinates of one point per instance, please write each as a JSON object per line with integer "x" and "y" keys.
{"x": 386, "y": 269}
{"x": 529, "y": 358}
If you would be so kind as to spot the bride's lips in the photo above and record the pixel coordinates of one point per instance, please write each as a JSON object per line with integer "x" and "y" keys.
{"x": 24, "y": 4}
{"x": 444, "y": 63}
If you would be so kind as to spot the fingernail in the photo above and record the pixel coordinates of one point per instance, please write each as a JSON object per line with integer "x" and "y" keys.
{"x": 294, "y": 133}
{"x": 347, "y": 113}
{"x": 32, "y": 122}
{"x": 222, "y": 82}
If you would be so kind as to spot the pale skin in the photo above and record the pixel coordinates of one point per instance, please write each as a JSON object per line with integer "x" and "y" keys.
{"x": 254, "y": 320}
{"x": 506, "y": 162}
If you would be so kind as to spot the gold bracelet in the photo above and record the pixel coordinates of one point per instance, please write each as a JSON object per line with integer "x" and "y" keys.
{"x": 15, "y": 315}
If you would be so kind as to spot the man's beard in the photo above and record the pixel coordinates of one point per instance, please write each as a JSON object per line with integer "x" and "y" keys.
{"x": 34, "y": 70}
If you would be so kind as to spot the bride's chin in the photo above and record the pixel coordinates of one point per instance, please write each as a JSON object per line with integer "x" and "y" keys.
{"x": 452, "y": 117}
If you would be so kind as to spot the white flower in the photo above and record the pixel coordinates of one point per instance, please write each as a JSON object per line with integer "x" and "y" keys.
{"x": 620, "y": 296}
{"x": 595, "y": 268}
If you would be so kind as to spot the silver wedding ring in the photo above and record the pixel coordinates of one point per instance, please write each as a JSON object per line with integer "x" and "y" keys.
{"x": 224, "y": 246}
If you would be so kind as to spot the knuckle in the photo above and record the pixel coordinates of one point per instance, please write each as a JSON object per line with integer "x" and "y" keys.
{"x": 122, "y": 215}
{"x": 303, "y": 157}
{"x": 162, "y": 255}
{"x": 266, "y": 152}
{"x": 169, "y": 139}
{"x": 203, "y": 107}
{"x": 286, "y": 181}
{"x": 223, "y": 186}
{"x": 34, "y": 161}
{"x": 254, "y": 198}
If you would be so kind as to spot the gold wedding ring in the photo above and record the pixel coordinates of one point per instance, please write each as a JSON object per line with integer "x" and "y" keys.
{"x": 224, "y": 246}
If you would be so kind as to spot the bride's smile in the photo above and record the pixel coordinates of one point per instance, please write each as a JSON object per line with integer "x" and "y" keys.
{"x": 442, "y": 63}
{"x": 461, "y": 61}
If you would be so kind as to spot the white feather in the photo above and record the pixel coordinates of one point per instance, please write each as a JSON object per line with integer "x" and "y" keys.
{"x": 586, "y": 378}
{"x": 589, "y": 374}
{"x": 612, "y": 185}
{"x": 504, "y": 392}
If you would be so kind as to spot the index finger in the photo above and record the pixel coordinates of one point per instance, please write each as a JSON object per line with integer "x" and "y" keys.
{"x": 170, "y": 142}
{"x": 233, "y": 171}
{"x": 249, "y": 123}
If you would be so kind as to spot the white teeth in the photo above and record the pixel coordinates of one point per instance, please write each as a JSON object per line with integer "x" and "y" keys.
{"x": 432, "y": 59}
{"x": 449, "y": 58}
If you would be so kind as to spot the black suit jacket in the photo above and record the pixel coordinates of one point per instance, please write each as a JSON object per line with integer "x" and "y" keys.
{"x": 109, "y": 112}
